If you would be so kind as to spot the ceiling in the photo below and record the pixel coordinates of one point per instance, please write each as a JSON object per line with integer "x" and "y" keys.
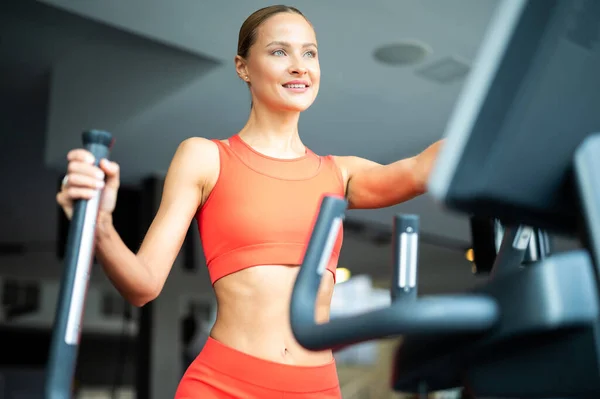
{"x": 189, "y": 86}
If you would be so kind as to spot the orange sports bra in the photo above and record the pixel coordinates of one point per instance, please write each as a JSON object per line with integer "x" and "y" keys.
{"x": 261, "y": 210}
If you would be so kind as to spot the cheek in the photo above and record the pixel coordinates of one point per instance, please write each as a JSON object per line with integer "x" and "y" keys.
{"x": 269, "y": 72}
{"x": 315, "y": 78}
{"x": 315, "y": 72}
{"x": 316, "y": 75}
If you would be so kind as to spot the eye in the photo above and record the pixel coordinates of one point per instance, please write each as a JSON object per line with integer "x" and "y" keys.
{"x": 311, "y": 53}
{"x": 278, "y": 52}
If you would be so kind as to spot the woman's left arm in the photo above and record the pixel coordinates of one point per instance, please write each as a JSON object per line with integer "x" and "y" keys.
{"x": 370, "y": 185}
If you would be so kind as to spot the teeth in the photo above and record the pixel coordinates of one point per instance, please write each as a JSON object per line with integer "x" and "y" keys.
{"x": 295, "y": 86}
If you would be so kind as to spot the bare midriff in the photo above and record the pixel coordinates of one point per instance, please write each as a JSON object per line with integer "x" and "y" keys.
{"x": 253, "y": 314}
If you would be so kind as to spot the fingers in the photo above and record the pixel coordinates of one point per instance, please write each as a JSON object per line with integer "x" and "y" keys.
{"x": 91, "y": 179}
{"x": 80, "y": 155}
{"x": 84, "y": 174}
{"x": 112, "y": 172}
{"x": 83, "y": 178}
{"x": 82, "y": 161}
{"x": 68, "y": 194}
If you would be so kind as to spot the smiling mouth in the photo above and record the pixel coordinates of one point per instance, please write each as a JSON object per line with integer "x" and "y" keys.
{"x": 295, "y": 86}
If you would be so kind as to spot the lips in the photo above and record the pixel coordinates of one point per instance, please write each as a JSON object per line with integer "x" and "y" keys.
{"x": 296, "y": 84}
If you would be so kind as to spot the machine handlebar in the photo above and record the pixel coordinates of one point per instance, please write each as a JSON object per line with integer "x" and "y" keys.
{"x": 433, "y": 315}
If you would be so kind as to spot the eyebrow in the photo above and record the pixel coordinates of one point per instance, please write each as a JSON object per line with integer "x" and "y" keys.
{"x": 286, "y": 44}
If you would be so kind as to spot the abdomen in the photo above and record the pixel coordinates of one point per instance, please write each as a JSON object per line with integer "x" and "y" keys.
{"x": 253, "y": 314}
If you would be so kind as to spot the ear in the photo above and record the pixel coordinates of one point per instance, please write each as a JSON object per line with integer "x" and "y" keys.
{"x": 241, "y": 68}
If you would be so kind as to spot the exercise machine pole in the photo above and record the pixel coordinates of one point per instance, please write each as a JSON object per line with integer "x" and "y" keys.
{"x": 79, "y": 254}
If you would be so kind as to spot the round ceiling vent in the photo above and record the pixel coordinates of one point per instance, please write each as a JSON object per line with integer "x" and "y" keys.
{"x": 402, "y": 54}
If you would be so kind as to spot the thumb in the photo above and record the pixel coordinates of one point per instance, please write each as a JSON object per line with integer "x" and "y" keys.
{"x": 112, "y": 172}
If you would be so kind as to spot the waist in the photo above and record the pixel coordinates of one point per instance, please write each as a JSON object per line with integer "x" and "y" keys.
{"x": 253, "y": 308}
{"x": 268, "y": 343}
{"x": 274, "y": 375}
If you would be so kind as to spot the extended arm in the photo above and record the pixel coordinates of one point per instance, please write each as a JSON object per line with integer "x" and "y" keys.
{"x": 372, "y": 185}
{"x": 140, "y": 277}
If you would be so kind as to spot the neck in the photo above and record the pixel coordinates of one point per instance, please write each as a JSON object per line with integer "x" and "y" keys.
{"x": 273, "y": 130}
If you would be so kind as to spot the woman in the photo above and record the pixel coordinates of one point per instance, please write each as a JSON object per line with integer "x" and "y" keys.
{"x": 255, "y": 197}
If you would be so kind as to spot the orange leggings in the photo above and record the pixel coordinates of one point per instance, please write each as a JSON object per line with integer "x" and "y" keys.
{"x": 221, "y": 372}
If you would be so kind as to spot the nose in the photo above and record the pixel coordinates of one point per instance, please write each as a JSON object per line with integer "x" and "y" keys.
{"x": 297, "y": 69}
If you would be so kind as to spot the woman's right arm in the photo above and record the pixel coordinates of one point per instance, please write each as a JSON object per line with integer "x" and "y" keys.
{"x": 140, "y": 277}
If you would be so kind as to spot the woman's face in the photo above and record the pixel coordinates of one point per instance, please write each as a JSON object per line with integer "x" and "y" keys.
{"x": 283, "y": 66}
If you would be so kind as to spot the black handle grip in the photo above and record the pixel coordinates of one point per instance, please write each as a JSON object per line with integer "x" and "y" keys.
{"x": 79, "y": 253}
{"x": 316, "y": 257}
{"x": 434, "y": 315}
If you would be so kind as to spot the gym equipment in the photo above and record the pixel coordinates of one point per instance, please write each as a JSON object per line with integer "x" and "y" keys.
{"x": 520, "y": 148}
{"x": 79, "y": 255}
{"x": 486, "y": 239}
{"x": 430, "y": 315}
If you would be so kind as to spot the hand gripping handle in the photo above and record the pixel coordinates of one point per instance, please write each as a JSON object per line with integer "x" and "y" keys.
{"x": 79, "y": 253}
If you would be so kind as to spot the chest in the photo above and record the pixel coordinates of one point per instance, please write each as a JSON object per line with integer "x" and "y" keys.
{"x": 279, "y": 207}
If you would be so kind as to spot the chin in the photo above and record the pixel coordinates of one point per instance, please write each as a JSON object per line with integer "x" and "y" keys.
{"x": 296, "y": 106}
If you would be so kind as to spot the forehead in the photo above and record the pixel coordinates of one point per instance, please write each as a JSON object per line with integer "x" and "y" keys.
{"x": 289, "y": 27}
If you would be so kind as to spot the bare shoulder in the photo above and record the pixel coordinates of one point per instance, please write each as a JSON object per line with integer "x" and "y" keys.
{"x": 195, "y": 164}
{"x": 197, "y": 149}
{"x": 196, "y": 156}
